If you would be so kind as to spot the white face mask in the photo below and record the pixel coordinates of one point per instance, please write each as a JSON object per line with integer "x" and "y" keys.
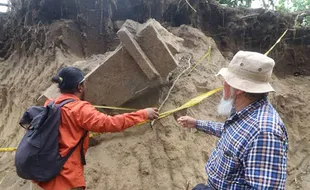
{"x": 225, "y": 106}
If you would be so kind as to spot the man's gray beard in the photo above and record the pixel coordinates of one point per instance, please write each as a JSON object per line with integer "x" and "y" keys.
{"x": 225, "y": 106}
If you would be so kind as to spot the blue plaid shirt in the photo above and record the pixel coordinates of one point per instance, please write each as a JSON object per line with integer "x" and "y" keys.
{"x": 252, "y": 149}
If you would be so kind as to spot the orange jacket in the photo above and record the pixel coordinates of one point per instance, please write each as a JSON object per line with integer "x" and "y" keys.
{"x": 77, "y": 118}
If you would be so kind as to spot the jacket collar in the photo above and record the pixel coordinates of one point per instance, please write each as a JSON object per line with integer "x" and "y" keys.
{"x": 63, "y": 97}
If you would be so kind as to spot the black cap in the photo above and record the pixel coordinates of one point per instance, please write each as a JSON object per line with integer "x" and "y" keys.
{"x": 68, "y": 79}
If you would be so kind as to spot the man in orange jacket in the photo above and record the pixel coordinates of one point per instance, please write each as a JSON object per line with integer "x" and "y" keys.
{"x": 77, "y": 118}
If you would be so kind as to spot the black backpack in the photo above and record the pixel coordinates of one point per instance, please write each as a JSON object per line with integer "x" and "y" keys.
{"x": 37, "y": 157}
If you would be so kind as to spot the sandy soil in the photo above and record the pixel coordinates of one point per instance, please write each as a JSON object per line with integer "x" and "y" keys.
{"x": 167, "y": 156}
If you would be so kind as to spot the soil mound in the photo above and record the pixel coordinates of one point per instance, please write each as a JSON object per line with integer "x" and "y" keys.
{"x": 167, "y": 156}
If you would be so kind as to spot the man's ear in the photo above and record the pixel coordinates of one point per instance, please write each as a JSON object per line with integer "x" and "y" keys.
{"x": 80, "y": 87}
{"x": 239, "y": 92}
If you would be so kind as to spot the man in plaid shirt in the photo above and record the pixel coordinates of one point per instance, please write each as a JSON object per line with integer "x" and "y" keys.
{"x": 252, "y": 150}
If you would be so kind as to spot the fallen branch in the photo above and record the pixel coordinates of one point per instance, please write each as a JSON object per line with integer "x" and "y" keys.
{"x": 174, "y": 83}
{"x": 187, "y": 185}
{"x": 170, "y": 90}
{"x": 191, "y": 6}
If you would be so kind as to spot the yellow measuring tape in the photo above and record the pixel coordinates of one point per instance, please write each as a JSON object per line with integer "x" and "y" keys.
{"x": 208, "y": 54}
{"x": 278, "y": 41}
{"x": 8, "y": 149}
{"x": 193, "y": 101}
{"x": 188, "y": 104}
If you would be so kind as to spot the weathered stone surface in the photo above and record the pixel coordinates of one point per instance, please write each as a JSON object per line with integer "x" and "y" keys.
{"x": 156, "y": 50}
{"x": 173, "y": 42}
{"x": 117, "y": 80}
{"x": 169, "y": 39}
{"x": 140, "y": 63}
{"x": 137, "y": 53}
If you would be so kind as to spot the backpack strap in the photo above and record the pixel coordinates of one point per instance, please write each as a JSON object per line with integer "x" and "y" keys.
{"x": 82, "y": 149}
{"x": 65, "y": 102}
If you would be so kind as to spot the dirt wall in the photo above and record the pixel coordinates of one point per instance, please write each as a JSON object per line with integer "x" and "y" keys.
{"x": 167, "y": 157}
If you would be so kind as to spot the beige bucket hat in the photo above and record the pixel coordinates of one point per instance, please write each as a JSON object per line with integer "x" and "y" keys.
{"x": 249, "y": 72}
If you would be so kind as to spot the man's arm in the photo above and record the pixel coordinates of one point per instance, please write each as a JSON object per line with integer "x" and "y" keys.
{"x": 210, "y": 127}
{"x": 265, "y": 162}
{"x": 92, "y": 120}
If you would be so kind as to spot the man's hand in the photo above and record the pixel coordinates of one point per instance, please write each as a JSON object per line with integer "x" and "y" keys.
{"x": 152, "y": 113}
{"x": 187, "y": 121}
